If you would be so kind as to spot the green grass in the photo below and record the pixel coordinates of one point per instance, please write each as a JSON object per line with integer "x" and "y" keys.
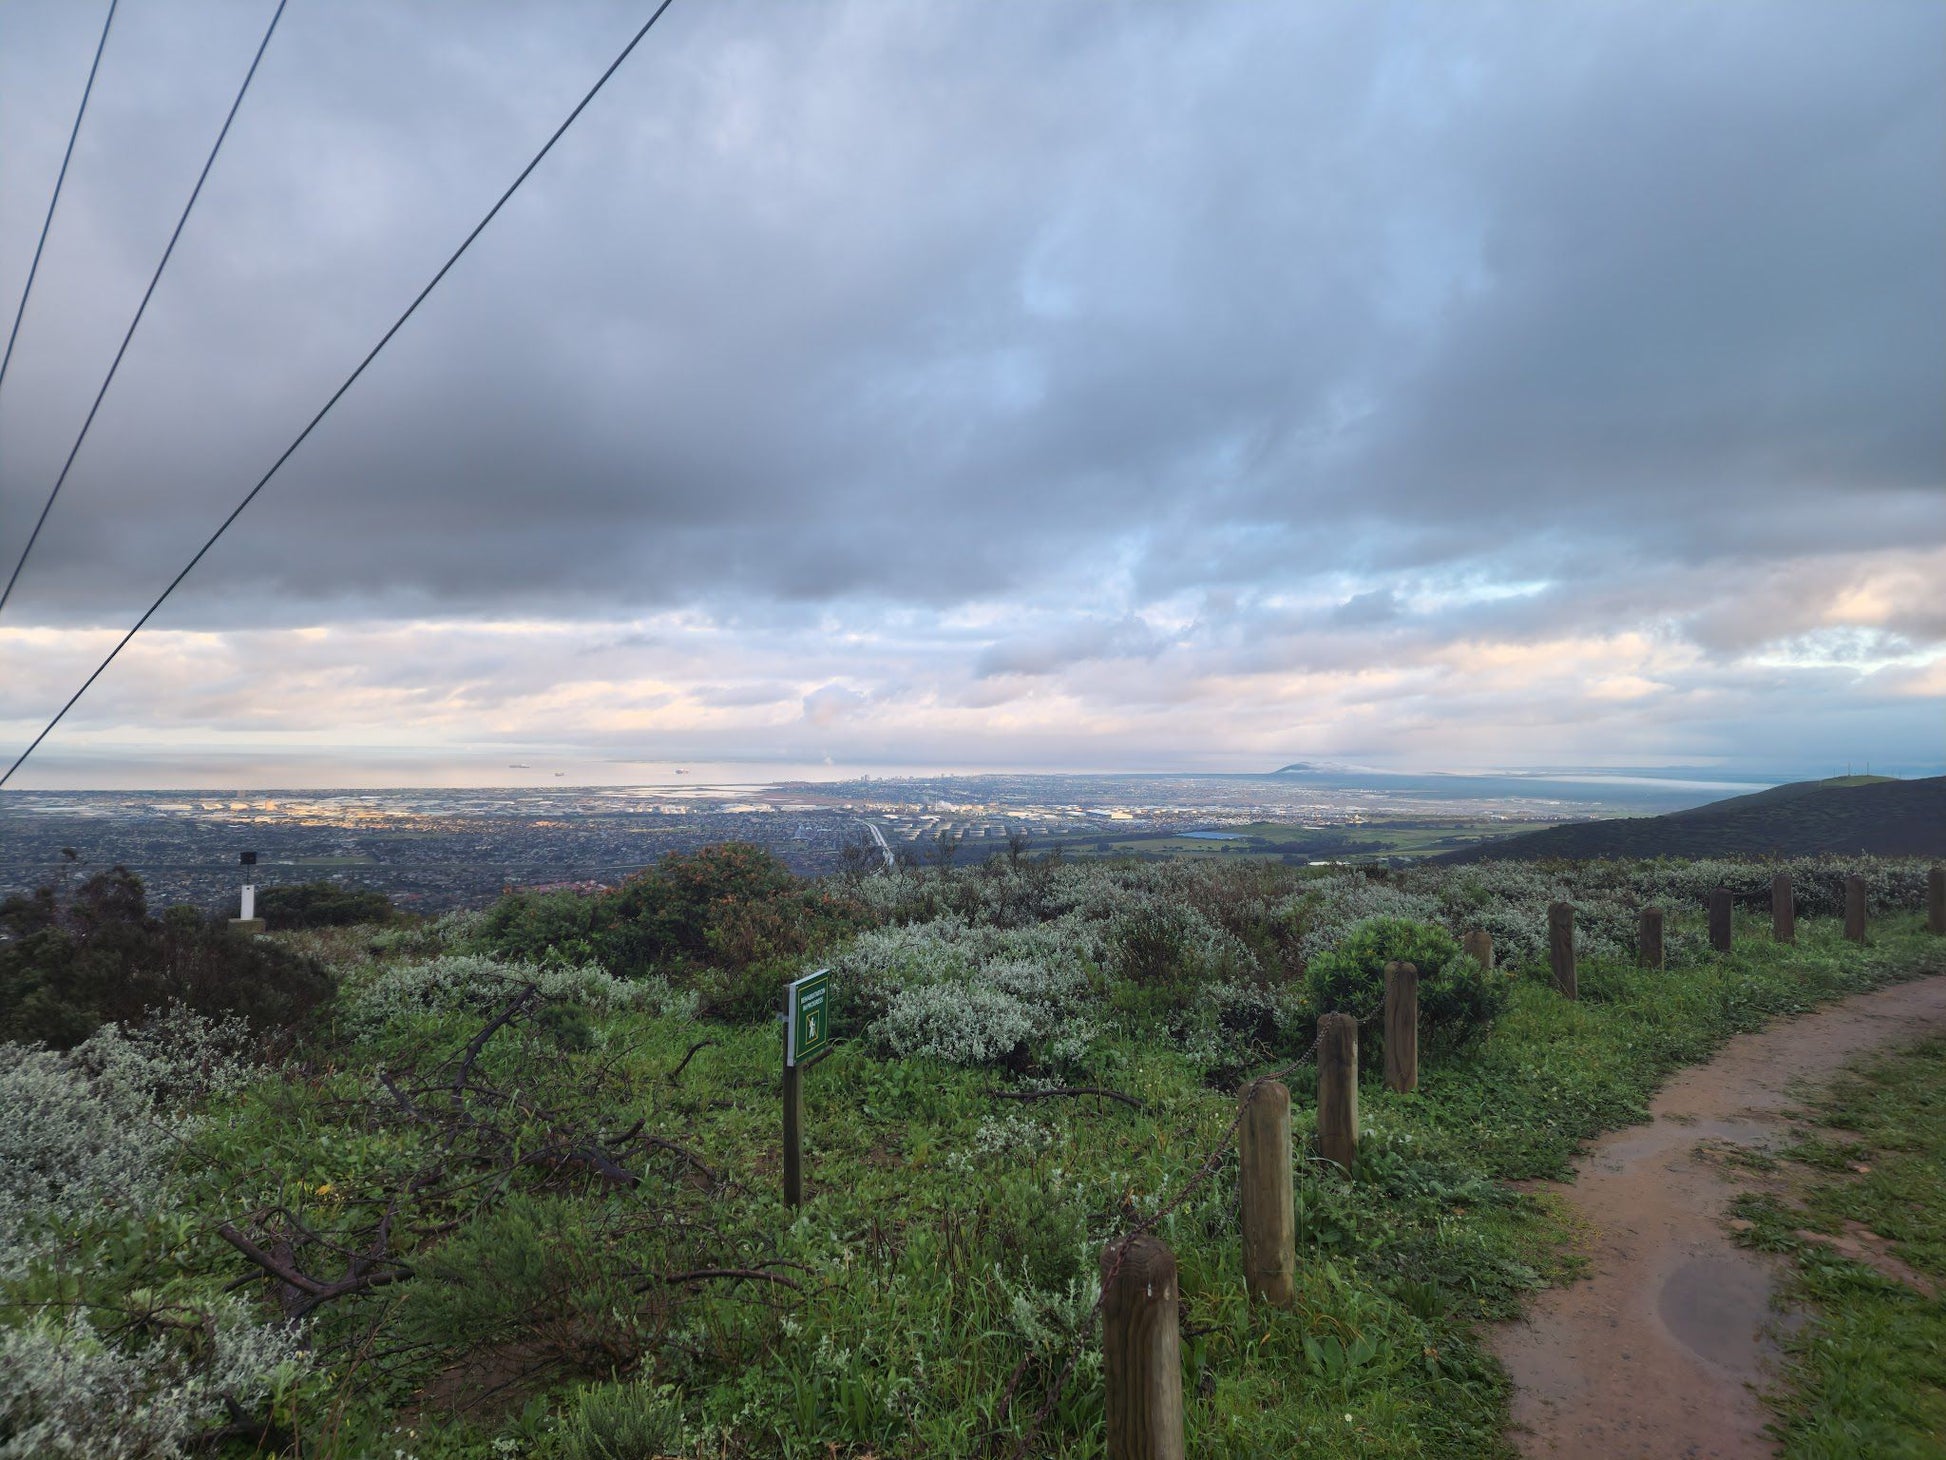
{"x": 948, "y": 1234}
{"x": 1867, "y": 1372}
{"x": 940, "y": 1278}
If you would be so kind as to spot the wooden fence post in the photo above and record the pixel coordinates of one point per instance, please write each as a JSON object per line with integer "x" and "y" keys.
{"x": 1560, "y": 946}
{"x": 1783, "y": 911}
{"x": 1648, "y": 937}
{"x": 1479, "y": 947}
{"x": 1141, "y": 1350}
{"x": 1719, "y": 906}
{"x": 1338, "y": 1088}
{"x": 1264, "y": 1194}
{"x": 1936, "y": 901}
{"x": 1855, "y": 908}
{"x": 1401, "y": 1027}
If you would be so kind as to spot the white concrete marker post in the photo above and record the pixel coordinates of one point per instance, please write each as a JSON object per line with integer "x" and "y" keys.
{"x": 248, "y": 921}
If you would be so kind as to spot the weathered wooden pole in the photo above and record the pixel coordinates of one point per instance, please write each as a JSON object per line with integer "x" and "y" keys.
{"x": 1648, "y": 937}
{"x": 1264, "y": 1194}
{"x": 1783, "y": 910}
{"x": 1560, "y": 947}
{"x": 1936, "y": 901}
{"x": 1478, "y": 946}
{"x": 1401, "y": 1027}
{"x": 1338, "y": 1088}
{"x": 794, "y": 1135}
{"x": 1855, "y": 908}
{"x": 1719, "y": 906}
{"x": 1140, "y": 1349}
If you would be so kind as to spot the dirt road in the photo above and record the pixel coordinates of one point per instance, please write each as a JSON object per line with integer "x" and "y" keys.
{"x": 1654, "y": 1353}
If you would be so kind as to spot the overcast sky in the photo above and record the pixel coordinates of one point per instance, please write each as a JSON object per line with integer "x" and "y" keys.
{"x": 985, "y": 385}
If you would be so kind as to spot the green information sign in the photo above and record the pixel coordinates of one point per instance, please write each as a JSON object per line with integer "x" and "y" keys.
{"x": 807, "y": 1018}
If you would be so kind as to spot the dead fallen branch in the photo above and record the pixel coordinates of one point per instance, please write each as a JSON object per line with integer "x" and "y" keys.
{"x": 700, "y": 1274}
{"x": 663, "y": 1143}
{"x": 515, "y": 1006}
{"x": 314, "y": 1291}
{"x": 695, "y": 1049}
{"x": 1077, "y": 1090}
{"x": 590, "y": 1159}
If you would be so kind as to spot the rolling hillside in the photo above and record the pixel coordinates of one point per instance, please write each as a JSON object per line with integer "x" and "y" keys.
{"x": 1847, "y": 814}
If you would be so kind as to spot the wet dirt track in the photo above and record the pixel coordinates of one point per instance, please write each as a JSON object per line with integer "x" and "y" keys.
{"x": 1655, "y": 1352}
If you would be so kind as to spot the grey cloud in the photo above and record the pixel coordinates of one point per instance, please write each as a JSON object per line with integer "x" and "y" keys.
{"x": 1127, "y": 638}
{"x": 1381, "y": 605}
{"x": 871, "y": 312}
{"x": 1023, "y": 284}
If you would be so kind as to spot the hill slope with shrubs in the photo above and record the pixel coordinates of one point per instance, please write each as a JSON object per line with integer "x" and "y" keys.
{"x": 1848, "y": 815}
{"x": 512, "y": 1188}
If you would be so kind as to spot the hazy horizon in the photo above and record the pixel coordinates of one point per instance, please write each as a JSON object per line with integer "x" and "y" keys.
{"x": 1422, "y": 385}
{"x": 259, "y": 778}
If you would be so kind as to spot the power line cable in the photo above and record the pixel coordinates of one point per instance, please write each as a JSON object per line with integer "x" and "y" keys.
{"x": 140, "y": 309}
{"x": 349, "y": 381}
{"x": 48, "y": 222}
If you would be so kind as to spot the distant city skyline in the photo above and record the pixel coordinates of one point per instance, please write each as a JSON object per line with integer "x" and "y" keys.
{"x": 865, "y": 386}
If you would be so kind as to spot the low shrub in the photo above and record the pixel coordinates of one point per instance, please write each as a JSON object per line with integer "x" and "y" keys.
{"x": 971, "y": 995}
{"x": 1156, "y": 944}
{"x": 1457, "y": 998}
{"x": 732, "y": 907}
{"x": 321, "y": 905}
{"x": 473, "y": 982}
{"x": 104, "y": 1349}
{"x": 963, "y": 1024}
{"x": 634, "y": 1421}
{"x": 88, "y": 1133}
{"x": 72, "y": 1390}
{"x": 532, "y": 926}
{"x": 458, "y": 931}
{"x": 68, "y": 968}
{"x": 727, "y": 921}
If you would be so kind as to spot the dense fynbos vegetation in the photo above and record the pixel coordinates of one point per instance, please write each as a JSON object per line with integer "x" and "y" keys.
{"x": 70, "y": 962}
{"x": 105, "y": 1348}
{"x": 729, "y": 921}
{"x": 321, "y": 905}
{"x": 511, "y": 1188}
{"x": 1024, "y": 962}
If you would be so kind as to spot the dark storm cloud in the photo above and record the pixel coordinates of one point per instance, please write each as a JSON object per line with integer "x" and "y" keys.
{"x": 861, "y": 299}
{"x": 1079, "y": 344}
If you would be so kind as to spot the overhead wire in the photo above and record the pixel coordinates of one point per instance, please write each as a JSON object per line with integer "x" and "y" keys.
{"x": 349, "y": 381}
{"x": 147, "y": 294}
{"x": 60, "y": 178}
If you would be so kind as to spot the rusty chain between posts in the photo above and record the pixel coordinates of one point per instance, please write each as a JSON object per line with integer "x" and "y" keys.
{"x": 1211, "y": 1163}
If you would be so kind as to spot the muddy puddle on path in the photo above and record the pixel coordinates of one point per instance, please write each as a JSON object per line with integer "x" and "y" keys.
{"x": 1656, "y": 1352}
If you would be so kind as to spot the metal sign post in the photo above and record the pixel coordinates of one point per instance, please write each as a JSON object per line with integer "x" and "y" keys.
{"x": 807, "y": 1038}
{"x": 808, "y": 1033}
